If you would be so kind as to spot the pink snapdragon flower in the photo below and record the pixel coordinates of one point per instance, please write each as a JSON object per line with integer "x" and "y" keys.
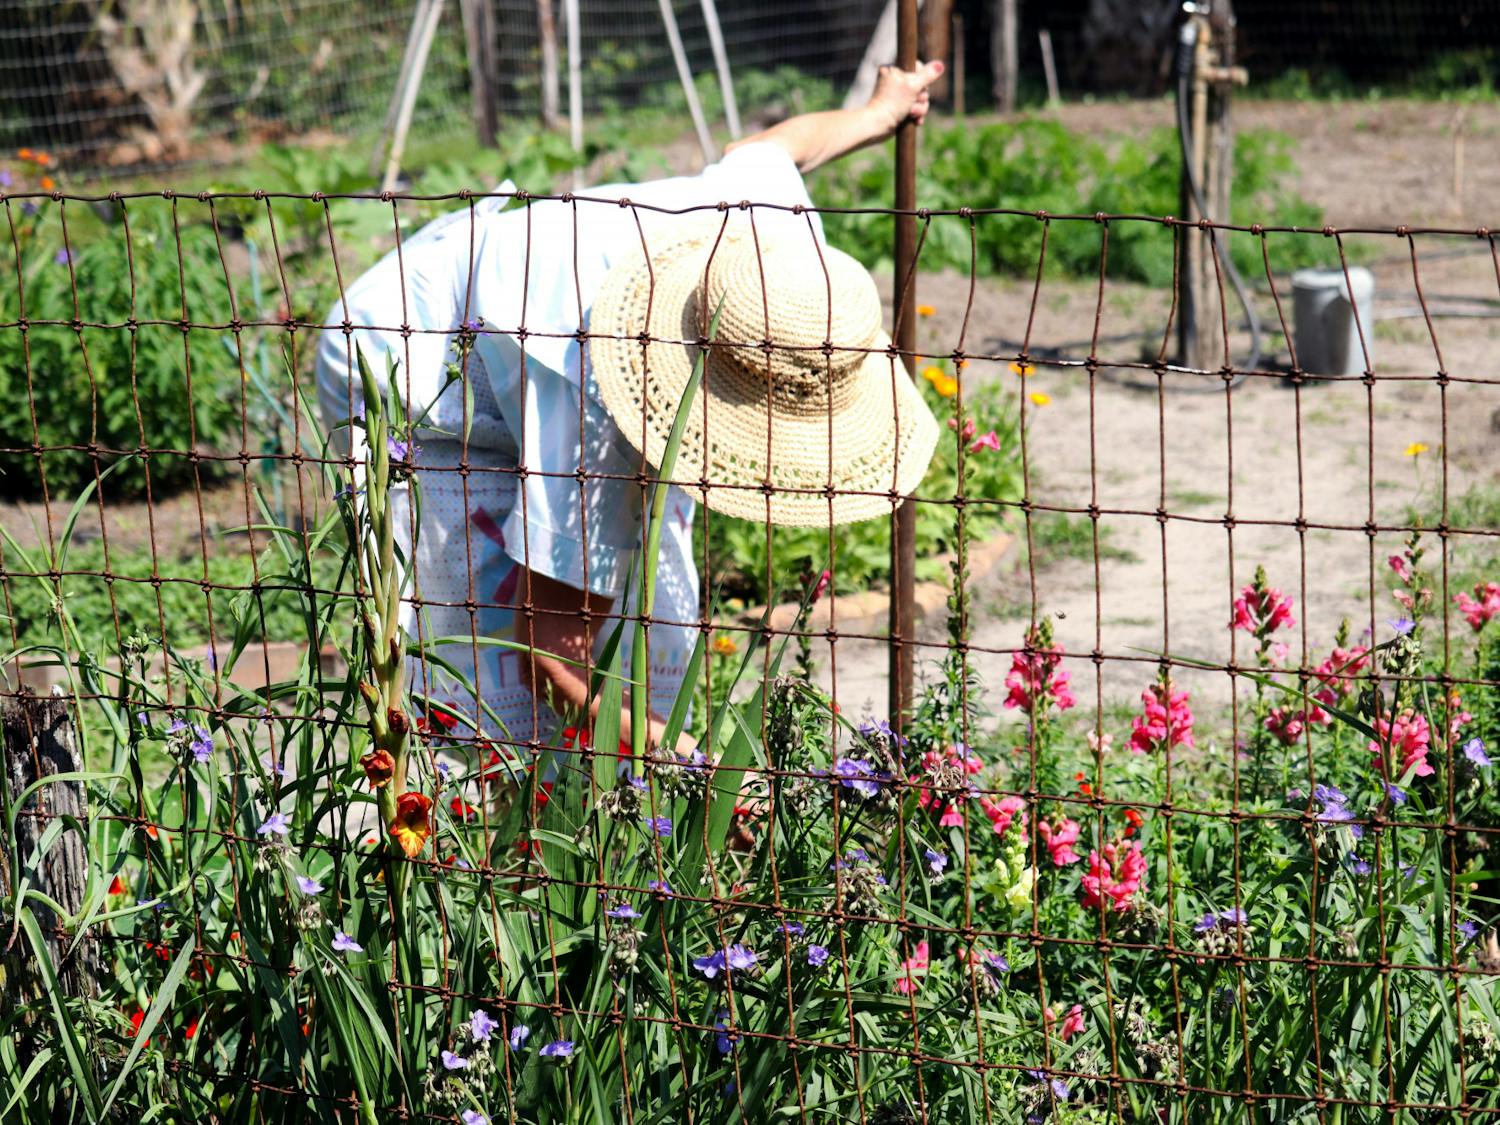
{"x": 1003, "y": 812}
{"x": 1060, "y": 836}
{"x": 1115, "y": 876}
{"x": 1409, "y": 738}
{"x": 1399, "y": 564}
{"x": 1167, "y": 720}
{"x": 1483, "y": 607}
{"x": 1261, "y": 609}
{"x": 1071, "y": 1025}
{"x": 1336, "y": 675}
{"x": 1288, "y": 724}
{"x": 988, "y": 440}
{"x": 1036, "y": 679}
{"x": 912, "y": 969}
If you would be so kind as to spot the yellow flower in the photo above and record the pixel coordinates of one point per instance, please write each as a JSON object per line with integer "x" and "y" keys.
{"x": 941, "y": 381}
{"x": 926, "y": 310}
{"x": 1022, "y": 369}
{"x": 1018, "y": 897}
{"x": 1041, "y": 398}
{"x": 1416, "y": 449}
{"x": 724, "y": 645}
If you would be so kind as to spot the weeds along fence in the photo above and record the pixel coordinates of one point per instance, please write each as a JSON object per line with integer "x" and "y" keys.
{"x": 1192, "y": 818}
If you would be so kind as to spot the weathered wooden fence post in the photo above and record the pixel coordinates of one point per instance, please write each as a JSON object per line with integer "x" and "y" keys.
{"x": 39, "y": 743}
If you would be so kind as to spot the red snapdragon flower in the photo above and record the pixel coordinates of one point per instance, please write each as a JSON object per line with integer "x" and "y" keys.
{"x": 1072, "y": 1023}
{"x": 1261, "y": 608}
{"x": 1166, "y": 721}
{"x": 1060, "y": 836}
{"x": 1408, "y": 736}
{"x": 1114, "y": 876}
{"x": 1483, "y": 607}
{"x": 1036, "y": 679}
{"x": 912, "y": 968}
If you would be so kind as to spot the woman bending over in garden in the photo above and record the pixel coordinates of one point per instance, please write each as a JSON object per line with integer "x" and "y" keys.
{"x": 531, "y": 516}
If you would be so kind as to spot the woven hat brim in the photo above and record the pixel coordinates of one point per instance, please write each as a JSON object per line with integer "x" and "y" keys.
{"x": 751, "y": 459}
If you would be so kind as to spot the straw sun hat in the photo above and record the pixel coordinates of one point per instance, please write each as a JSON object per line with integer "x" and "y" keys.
{"x": 831, "y": 430}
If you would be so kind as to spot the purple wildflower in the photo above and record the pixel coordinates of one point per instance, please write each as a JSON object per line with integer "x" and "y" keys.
{"x": 661, "y": 825}
{"x": 444, "y": 770}
{"x": 343, "y": 943}
{"x": 859, "y": 775}
{"x": 937, "y": 862}
{"x": 558, "y": 1049}
{"x": 793, "y": 929}
{"x": 1474, "y": 751}
{"x": 710, "y": 964}
{"x": 1403, "y": 626}
{"x": 308, "y": 885}
{"x": 62, "y": 257}
{"x": 275, "y": 824}
{"x": 1395, "y": 793}
{"x": 518, "y": 1036}
{"x": 624, "y": 910}
{"x": 1359, "y": 866}
{"x": 482, "y": 1025}
{"x": 454, "y": 1062}
{"x": 660, "y": 886}
{"x": 725, "y": 1039}
{"x": 1469, "y": 929}
{"x": 5, "y": 178}
{"x": 741, "y": 957}
{"x": 402, "y": 450}
{"x": 816, "y": 955}
{"x": 473, "y": 1117}
{"x": 202, "y": 745}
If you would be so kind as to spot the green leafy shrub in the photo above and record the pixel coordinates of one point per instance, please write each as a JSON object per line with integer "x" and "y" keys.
{"x": 184, "y": 611}
{"x": 1040, "y": 165}
{"x": 116, "y": 386}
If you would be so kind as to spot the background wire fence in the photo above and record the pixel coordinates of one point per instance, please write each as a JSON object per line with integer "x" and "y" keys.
{"x": 141, "y": 85}
{"x": 1365, "y": 940}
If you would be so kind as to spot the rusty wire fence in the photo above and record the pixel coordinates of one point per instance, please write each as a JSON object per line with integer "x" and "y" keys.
{"x": 1164, "y": 836}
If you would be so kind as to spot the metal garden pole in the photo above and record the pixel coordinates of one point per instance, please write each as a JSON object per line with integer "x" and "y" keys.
{"x": 904, "y": 519}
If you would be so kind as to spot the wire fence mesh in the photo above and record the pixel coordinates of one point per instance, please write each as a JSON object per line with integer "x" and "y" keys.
{"x": 335, "y": 883}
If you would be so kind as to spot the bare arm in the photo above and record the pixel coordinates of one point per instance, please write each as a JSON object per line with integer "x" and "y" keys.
{"x": 814, "y": 139}
{"x": 557, "y": 636}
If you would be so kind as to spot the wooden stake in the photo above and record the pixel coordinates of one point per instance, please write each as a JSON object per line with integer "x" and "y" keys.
{"x": 1004, "y": 54}
{"x": 429, "y": 13}
{"x": 479, "y": 35}
{"x": 960, "y": 64}
{"x": 546, "y": 32}
{"x": 721, "y": 64}
{"x": 904, "y": 519}
{"x": 38, "y": 743}
{"x": 685, "y": 75}
{"x": 575, "y": 82}
{"x": 1049, "y": 66}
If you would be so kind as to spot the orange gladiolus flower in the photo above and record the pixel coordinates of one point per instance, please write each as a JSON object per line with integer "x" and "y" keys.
{"x": 411, "y": 827}
{"x": 379, "y": 768}
{"x": 48, "y": 183}
{"x": 117, "y": 886}
{"x": 43, "y": 159}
